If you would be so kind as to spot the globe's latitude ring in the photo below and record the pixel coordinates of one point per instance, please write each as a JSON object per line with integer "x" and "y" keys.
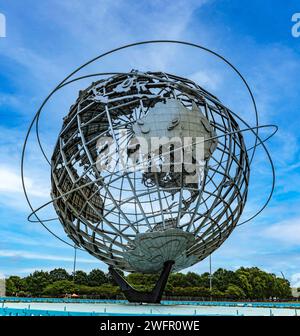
{"x": 212, "y": 213}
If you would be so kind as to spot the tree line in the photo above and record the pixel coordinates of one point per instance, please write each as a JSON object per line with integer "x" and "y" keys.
{"x": 242, "y": 284}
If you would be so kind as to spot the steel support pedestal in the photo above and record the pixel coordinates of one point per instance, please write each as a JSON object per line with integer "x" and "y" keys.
{"x": 132, "y": 295}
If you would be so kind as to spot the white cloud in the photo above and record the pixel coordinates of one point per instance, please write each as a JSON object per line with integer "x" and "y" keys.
{"x": 109, "y": 24}
{"x": 9, "y": 238}
{"x": 10, "y": 100}
{"x": 10, "y": 182}
{"x": 84, "y": 37}
{"x": 39, "y": 256}
{"x": 208, "y": 80}
{"x": 288, "y": 148}
{"x": 287, "y": 231}
{"x": 295, "y": 280}
{"x": 38, "y": 65}
{"x": 11, "y": 191}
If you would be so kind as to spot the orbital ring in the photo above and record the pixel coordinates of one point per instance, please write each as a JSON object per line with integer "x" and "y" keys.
{"x": 261, "y": 142}
{"x": 63, "y": 83}
{"x": 143, "y": 43}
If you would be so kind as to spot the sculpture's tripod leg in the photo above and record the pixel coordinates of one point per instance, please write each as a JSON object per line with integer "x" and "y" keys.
{"x": 132, "y": 295}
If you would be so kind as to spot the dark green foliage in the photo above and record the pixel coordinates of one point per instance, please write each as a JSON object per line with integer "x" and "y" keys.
{"x": 14, "y": 285}
{"x": 59, "y": 288}
{"x": 223, "y": 279}
{"x": 59, "y": 274}
{"x": 244, "y": 283}
{"x": 234, "y": 292}
{"x": 80, "y": 278}
{"x": 258, "y": 284}
{"x": 36, "y": 282}
{"x": 97, "y": 278}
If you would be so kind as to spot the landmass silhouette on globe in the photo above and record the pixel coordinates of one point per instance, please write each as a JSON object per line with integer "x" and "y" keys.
{"x": 150, "y": 172}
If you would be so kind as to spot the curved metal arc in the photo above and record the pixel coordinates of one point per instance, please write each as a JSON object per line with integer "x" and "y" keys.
{"x": 98, "y": 57}
{"x": 98, "y": 179}
{"x": 155, "y": 42}
{"x": 23, "y": 161}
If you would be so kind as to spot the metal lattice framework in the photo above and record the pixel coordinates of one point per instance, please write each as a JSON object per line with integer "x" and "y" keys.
{"x": 133, "y": 220}
{"x": 104, "y": 211}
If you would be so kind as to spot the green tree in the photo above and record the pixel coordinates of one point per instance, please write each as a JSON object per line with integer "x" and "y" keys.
{"x": 14, "y": 285}
{"x": 36, "y": 282}
{"x": 147, "y": 280}
{"x": 251, "y": 283}
{"x": 234, "y": 292}
{"x": 193, "y": 279}
{"x": 59, "y": 288}
{"x": 80, "y": 278}
{"x": 244, "y": 283}
{"x": 282, "y": 288}
{"x": 216, "y": 294}
{"x": 59, "y": 274}
{"x": 222, "y": 278}
{"x": 258, "y": 284}
{"x": 204, "y": 280}
{"x": 97, "y": 278}
{"x": 109, "y": 291}
{"x": 169, "y": 289}
{"x": 178, "y": 280}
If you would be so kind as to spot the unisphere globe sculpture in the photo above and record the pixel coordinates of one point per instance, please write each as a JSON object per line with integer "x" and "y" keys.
{"x": 150, "y": 172}
{"x": 127, "y": 214}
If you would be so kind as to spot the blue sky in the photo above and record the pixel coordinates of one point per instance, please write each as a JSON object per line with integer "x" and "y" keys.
{"x": 47, "y": 40}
